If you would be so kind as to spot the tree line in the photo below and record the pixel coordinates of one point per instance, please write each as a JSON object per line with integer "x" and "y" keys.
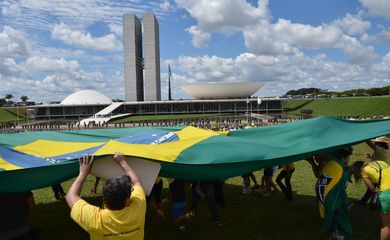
{"x": 7, "y": 100}
{"x": 379, "y": 91}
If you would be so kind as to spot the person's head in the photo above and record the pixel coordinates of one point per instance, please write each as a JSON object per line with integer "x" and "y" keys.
{"x": 356, "y": 170}
{"x": 344, "y": 154}
{"x": 117, "y": 192}
{"x": 381, "y": 142}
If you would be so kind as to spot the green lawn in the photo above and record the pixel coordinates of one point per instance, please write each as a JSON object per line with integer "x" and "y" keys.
{"x": 291, "y": 105}
{"x": 166, "y": 117}
{"x": 246, "y": 216}
{"x": 8, "y": 116}
{"x": 364, "y": 107}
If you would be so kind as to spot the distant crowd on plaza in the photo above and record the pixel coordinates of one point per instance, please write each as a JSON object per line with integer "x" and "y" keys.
{"x": 222, "y": 123}
{"x": 213, "y": 123}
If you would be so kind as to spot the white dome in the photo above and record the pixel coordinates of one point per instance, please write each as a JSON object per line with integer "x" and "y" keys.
{"x": 86, "y": 97}
{"x": 222, "y": 90}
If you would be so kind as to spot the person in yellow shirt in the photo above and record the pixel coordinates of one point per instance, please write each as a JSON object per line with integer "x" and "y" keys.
{"x": 380, "y": 145}
{"x": 124, "y": 197}
{"x": 370, "y": 173}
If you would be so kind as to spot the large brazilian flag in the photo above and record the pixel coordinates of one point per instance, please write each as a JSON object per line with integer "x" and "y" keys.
{"x": 31, "y": 160}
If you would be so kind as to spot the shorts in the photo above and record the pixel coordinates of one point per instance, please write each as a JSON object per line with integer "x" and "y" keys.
{"x": 178, "y": 209}
{"x": 384, "y": 197}
{"x": 268, "y": 172}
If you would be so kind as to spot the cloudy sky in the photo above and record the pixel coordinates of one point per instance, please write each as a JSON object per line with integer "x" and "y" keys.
{"x": 49, "y": 49}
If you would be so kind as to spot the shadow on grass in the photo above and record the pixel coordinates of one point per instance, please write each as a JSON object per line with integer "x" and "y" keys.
{"x": 245, "y": 217}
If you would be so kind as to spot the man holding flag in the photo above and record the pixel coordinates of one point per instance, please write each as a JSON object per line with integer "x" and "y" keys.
{"x": 332, "y": 197}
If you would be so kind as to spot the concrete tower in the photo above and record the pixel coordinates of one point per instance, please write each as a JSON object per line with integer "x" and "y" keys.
{"x": 152, "y": 58}
{"x": 132, "y": 43}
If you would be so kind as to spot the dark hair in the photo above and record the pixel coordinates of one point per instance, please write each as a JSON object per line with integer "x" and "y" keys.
{"x": 344, "y": 152}
{"x": 116, "y": 191}
{"x": 382, "y": 144}
{"x": 356, "y": 170}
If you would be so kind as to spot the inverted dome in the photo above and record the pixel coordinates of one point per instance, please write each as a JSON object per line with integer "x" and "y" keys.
{"x": 86, "y": 97}
{"x": 222, "y": 90}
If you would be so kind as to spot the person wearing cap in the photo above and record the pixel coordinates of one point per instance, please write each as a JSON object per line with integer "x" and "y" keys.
{"x": 124, "y": 197}
{"x": 332, "y": 197}
{"x": 380, "y": 145}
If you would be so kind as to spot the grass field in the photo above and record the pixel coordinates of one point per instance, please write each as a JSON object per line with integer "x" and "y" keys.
{"x": 292, "y": 105}
{"x": 9, "y": 116}
{"x": 364, "y": 107}
{"x": 246, "y": 216}
{"x": 166, "y": 117}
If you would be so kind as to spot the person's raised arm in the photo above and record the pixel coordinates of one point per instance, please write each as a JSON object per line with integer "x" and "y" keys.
{"x": 74, "y": 192}
{"x": 120, "y": 159}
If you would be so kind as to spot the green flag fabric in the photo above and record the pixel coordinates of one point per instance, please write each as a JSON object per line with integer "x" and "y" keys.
{"x": 33, "y": 160}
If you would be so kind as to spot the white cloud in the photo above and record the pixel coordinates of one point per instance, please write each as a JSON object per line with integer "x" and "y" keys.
{"x": 382, "y": 37}
{"x": 117, "y": 29}
{"x": 58, "y": 85}
{"x": 43, "y": 64}
{"x": 167, "y": 6}
{"x": 285, "y": 37}
{"x": 282, "y": 37}
{"x": 377, "y": 7}
{"x": 221, "y": 16}
{"x": 280, "y": 73}
{"x": 353, "y": 25}
{"x": 356, "y": 52}
{"x": 199, "y": 38}
{"x": 9, "y": 68}
{"x": 85, "y": 40}
{"x": 261, "y": 39}
{"x": 12, "y": 43}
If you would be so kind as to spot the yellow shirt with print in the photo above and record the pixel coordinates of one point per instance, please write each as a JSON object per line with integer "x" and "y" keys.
{"x": 371, "y": 171}
{"x": 127, "y": 223}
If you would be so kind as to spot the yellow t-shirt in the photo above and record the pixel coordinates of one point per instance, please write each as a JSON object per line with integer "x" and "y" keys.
{"x": 371, "y": 171}
{"x": 105, "y": 224}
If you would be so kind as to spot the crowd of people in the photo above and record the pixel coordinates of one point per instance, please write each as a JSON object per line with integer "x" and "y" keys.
{"x": 213, "y": 123}
{"x": 125, "y": 201}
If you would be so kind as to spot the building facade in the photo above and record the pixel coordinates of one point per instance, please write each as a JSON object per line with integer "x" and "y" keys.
{"x": 133, "y": 58}
{"x": 141, "y": 53}
{"x": 152, "y": 58}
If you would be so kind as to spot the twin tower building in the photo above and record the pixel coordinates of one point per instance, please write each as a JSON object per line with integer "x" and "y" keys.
{"x": 142, "y": 52}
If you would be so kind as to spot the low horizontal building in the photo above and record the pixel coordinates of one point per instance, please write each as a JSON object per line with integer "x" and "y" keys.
{"x": 87, "y": 103}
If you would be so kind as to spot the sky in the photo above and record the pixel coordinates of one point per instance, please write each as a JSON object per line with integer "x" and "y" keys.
{"x": 50, "y": 49}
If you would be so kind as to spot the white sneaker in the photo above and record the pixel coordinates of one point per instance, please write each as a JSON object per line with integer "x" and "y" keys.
{"x": 336, "y": 236}
{"x": 246, "y": 190}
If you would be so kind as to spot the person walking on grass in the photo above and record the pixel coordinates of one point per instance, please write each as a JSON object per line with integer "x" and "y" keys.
{"x": 124, "y": 198}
